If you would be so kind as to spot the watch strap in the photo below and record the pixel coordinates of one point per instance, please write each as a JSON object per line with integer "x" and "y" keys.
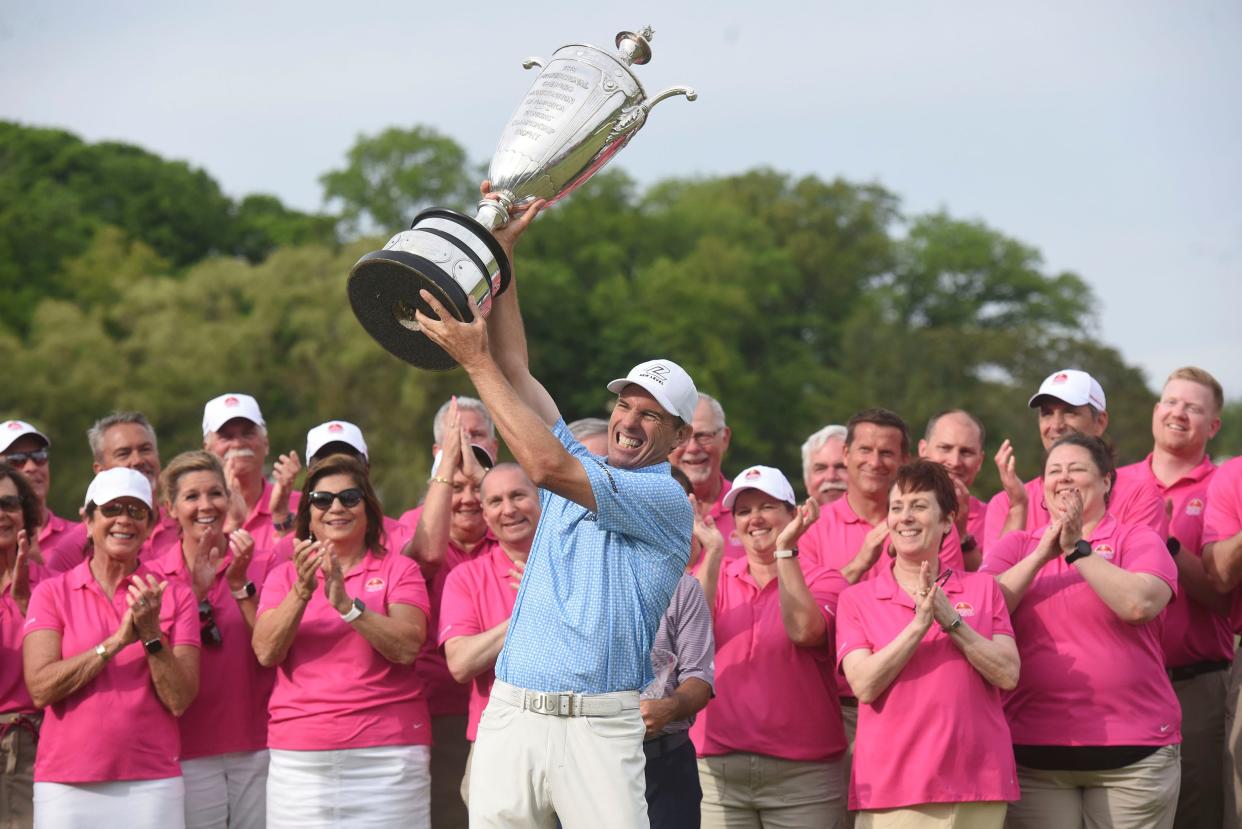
{"x": 1173, "y": 546}
{"x": 101, "y": 650}
{"x": 246, "y": 591}
{"x": 354, "y": 612}
{"x": 792, "y": 552}
{"x": 154, "y": 646}
{"x": 1082, "y": 549}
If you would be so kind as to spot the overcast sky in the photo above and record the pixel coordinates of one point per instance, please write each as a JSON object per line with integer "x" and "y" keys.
{"x": 1106, "y": 134}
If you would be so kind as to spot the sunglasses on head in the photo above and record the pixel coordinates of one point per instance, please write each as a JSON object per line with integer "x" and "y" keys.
{"x": 322, "y": 500}
{"x": 10, "y": 503}
{"x": 138, "y": 512}
{"x": 39, "y": 456}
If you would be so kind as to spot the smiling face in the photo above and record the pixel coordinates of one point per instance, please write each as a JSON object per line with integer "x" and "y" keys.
{"x": 510, "y": 506}
{"x": 242, "y": 439}
{"x": 701, "y": 455}
{"x": 119, "y": 537}
{"x": 758, "y": 519}
{"x": 201, "y": 501}
{"x": 872, "y": 459}
{"x": 826, "y": 474}
{"x": 467, "y": 525}
{"x": 640, "y": 431}
{"x": 10, "y": 520}
{"x": 916, "y": 523}
{"x": 345, "y": 526}
{"x": 132, "y": 446}
{"x": 955, "y": 444}
{"x": 1072, "y": 468}
{"x": 1185, "y": 418}
{"x": 39, "y": 474}
{"x": 1058, "y": 419}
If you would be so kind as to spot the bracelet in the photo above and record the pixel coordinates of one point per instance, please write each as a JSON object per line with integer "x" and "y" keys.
{"x": 952, "y": 626}
{"x": 285, "y": 525}
{"x": 439, "y": 479}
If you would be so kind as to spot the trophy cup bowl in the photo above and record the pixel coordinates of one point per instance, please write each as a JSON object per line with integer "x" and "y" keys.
{"x": 584, "y": 107}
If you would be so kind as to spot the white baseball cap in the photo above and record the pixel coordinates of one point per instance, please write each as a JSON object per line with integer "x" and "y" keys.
{"x": 1071, "y": 386}
{"x": 119, "y": 482}
{"x": 220, "y": 410}
{"x": 335, "y": 431}
{"x": 667, "y": 382}
{"x": 765, "y": 479}
{"x": 11, "y": 430}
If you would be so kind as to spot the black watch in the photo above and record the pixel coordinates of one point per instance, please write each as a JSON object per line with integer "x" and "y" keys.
{"x": 1082, "y": 549}
{"x": 1174, "y": 546}
{"x": 154, "y": 646}
{"x": 969, "y": 545}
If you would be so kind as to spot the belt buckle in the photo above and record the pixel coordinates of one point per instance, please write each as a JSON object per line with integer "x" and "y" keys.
{"x": 547, "y": 702}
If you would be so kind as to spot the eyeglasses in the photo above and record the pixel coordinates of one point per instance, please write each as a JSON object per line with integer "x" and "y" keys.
{"x": 10, "y": 503}
{"x": 943, "y": 578}
{"x": 322, "y": 500}
{"x": 39, "y": 456}
{"x": 138, "y": 512}
{"x": 705, "y": 438}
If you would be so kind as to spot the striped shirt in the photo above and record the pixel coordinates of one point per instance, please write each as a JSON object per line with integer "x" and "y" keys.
{"x": 685, "y": 635}
{"x": 597, "y": 583}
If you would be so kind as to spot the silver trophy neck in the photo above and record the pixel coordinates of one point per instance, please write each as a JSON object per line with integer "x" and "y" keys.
{"x": 635, "y": 49}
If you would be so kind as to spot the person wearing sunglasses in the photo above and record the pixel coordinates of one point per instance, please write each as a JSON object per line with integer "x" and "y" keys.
{"x": 28, "y": 450}
{"x": 771, "y": 743}
{"x": 224, "y": 731}
{"x": 19, "y": 718}
{"x": 112, "y": 653}
{"x": 927, "y": 651}
{"x": 343, "y": 622}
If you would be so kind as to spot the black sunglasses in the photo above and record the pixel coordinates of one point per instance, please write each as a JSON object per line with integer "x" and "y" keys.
{"x": 209, "y": 632}
{"x": 322, "y": 500}
{"x": 10, "y": 503}
{"x": 138, "y": 512}
{"x": 943, "y": 578}
{"x": 39, "y": 456}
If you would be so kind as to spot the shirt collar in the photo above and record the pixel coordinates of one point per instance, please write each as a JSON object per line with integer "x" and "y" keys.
{"x": 842, "y": 511}
{"x": 54, "y": 524}
{"x": 887, "y": 586}
{"x": 1204, "y": 468}
{"x": 1107, "y": 528}
{"x": 718, "y": 508}
{"x": 501, "y": 562}
{"x": 82, "y": 577}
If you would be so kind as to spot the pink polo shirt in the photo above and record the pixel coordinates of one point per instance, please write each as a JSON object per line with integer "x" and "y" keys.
{"x": 838, "y": 535}
{"x": 114, "y": 727}
{"x": 1088, "y": 678}
{"x": 58, "y": 534}
{"x": 975, "y": 521}
{"x": 772, "y": 697}
{"x": 70, "y": 550}
{"x": 334, "y": 690}
{"x": 14, "y": 698}
{"x": 477, "y": 597}
{"x": 230, "y": 712}
{"x": 1133, "y": 501}
{"x": 938, "y": 733}
{"x": 1222, "y": 516}
{"x": 1192, "y": 633}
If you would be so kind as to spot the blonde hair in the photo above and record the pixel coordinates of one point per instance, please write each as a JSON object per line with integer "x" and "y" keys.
{"x": 1197, "y": 375}
{"x": 182, "y": 465}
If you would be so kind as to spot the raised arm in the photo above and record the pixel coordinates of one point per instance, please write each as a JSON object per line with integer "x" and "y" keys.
{"x": 870, "y": 673}
{"x": 276, "y": 629}
{"x": 1015, "y": 581}
{"x": 397, "y": 635}
{"x": 803, "y": 620}
{"x": 429, "y": 544}
{"x": 174, "y": 668}
{"x": 711, "y": 542}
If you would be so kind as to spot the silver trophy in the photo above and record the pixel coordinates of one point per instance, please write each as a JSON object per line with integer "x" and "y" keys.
{"x": 583, "y": 108}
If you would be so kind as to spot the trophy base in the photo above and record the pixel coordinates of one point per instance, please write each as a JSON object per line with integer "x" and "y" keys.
{"x": 449, "y": 255}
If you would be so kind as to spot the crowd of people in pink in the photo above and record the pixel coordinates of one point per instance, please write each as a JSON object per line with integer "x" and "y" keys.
{"x": 609, "y": 631}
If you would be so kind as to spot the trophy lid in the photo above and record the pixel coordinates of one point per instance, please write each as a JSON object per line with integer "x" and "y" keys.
{"x": 635, "y": 49}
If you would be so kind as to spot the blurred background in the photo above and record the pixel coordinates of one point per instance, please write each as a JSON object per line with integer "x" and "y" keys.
{"x": 910, "y": 205}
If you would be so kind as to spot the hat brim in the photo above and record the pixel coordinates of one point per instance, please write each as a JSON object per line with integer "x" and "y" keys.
{"x": 1033, "y": 403}
{"x": 732, "y": 495}
{"x": 618, "y": 385}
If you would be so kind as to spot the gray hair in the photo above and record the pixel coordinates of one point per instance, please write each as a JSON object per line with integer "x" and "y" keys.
{"x": 95, "y": 434}
{"x": 464, "y": 404}
{"x": 588, "y": 426}
{"x": 816, "y": 442}
{"x": 717, "y": 409}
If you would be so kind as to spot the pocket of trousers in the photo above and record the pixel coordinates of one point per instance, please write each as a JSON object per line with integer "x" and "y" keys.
{"x": 628, "y": 725}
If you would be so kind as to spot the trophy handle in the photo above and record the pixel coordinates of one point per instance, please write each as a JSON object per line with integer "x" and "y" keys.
{"x": 689, "y": 92}
{"x": 529, "y": 62}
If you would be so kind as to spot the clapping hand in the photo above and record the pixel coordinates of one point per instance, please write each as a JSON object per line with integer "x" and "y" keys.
{"x": 205, "y": 560}
{"x": 284, "y": 473}
{"x": 804, "y": 517}
{"x": 19, "y": 582}
{"x": 306, "y": 557}
{"x": 241, "y": 543}
{"x": 144, "y": 599}
{"x": 334, "y": 579}
{"x": 1010, "y": 482}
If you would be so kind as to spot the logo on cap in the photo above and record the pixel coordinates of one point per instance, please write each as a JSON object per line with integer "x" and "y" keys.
{"x": 374, "y": 584}
{"x": 1103, "y": 551}
{"x": 231, "y": 401}
{"x": 14, "y": 425}
{"x": 336, "y": 427}
{"x": 1194, "y": 506}
{"x": 964, "y": 609}
{"x": 1060, "y": 378}
{"x": 657, "y": 373}
{"x": 752, "y": 473}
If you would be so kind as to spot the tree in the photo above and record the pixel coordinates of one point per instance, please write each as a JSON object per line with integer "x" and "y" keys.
{"x": 389, "y": 177}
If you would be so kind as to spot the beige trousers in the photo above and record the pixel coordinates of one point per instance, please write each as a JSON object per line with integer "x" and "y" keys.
{"x": 1142, "y": 795}
{"x": 981, "y": 815}
{"x": 1201, "y": 801}
{"x": 17, "y": 756}
{"x": 751, "y": 791}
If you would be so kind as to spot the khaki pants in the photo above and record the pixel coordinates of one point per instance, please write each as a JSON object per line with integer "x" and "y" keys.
{"x": 849, "y": 717}
{"x": 982, "y": 815}
{"x": 1202, "y": 799}
{"x": 449, "y": 748}
{"x": 529, "y": 768}
{"x": 17, "y": 754}
{"x": 1142, "y": 795}
{"x": 1233, "y": 748}
{"x": 751, "y": 791}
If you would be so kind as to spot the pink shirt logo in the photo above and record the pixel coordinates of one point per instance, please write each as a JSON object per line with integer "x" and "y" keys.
{"x": 964, "y": 609}
{"x": 1104, "y": 551}
{"x": 1194, "y": 506}
{"x": 374, "y": 584}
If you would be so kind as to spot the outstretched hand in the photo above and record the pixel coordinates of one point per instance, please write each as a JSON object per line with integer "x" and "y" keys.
{"x": 806, "y": 515}
{"x": 465, "y": 342}
{"x": 520, "y": 217}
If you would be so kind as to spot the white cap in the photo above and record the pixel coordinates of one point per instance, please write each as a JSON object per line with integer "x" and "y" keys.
{"x": 765, "y": 479}
{"x": 11, "y": 430}
{"x": 220, "y": 410}
{"x": 335, "y": 431}
{"x": 667, "y": 382}
{"x": 1071, "y": 386}
{"x": 119, "y": 482}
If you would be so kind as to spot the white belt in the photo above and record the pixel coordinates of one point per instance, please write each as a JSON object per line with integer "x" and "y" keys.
{"x": 566, "y": 703}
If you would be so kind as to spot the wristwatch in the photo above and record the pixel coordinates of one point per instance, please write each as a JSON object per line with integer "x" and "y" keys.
{"x": 284, "y": 525}
{"x": 101, "y": 650}
{"x": 1174, "y": 546}
{"x": 354, "y": 612}
{"x": 969, "y": 545}
{"x": 1082, "y": 549}
{"x": 246, "y": 591}
{"x": 154, "y": 646}
{"x": 790, "y": 553}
